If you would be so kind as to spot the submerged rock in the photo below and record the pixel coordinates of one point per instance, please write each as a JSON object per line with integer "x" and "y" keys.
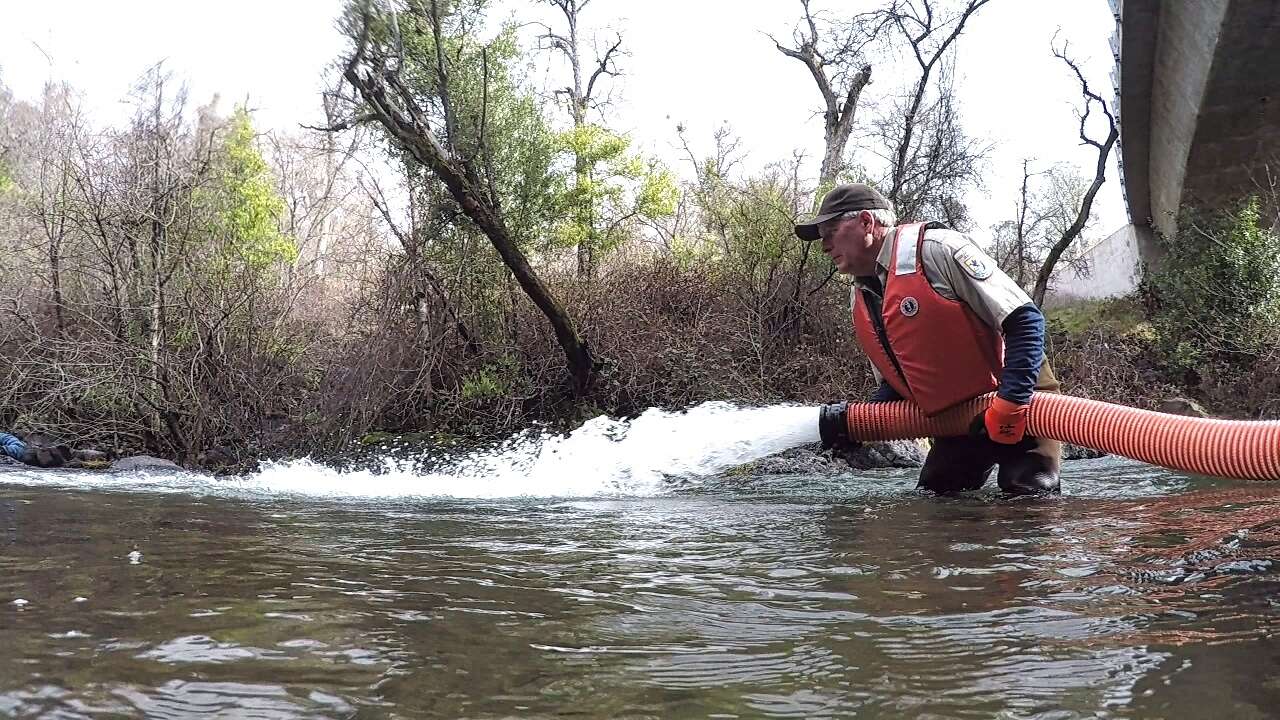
{"x": 813, "y": 460}
{"x": 804, "y": 460}
{"x": 1182, "y": 406}
{"x": 1076, "y": 452}
{"x": 144, "y": 462}
{"x": 892, "y": 454}
{"x": 89, "y": 455}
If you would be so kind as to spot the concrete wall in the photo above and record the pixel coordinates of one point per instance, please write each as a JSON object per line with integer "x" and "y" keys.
{"x": 1188, "y": 35}
{"x": 1113, "y": 270}
{"x": 1238, "y": 133}
{"x": 1197, "y": 88}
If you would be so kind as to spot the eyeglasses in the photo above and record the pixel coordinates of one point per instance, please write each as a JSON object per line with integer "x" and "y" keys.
{"x": 827, "y": 227}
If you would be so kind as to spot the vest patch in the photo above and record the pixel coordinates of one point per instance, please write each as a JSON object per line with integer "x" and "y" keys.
{"x": 909, "y": 306}
{"x": 974, "y": 262}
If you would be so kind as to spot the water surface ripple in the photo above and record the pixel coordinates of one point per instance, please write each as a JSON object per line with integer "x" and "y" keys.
{"x": 1137, "y": 594}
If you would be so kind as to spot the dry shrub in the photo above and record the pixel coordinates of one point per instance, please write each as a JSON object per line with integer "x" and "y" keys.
{"x": 1101, "y": 363}
{"x": 674, "y": 334}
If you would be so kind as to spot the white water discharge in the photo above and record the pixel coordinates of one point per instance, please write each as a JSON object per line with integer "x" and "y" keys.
{"x": 638, "y": 457}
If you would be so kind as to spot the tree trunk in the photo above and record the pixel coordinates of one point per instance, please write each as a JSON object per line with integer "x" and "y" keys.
{"x": 1086, "y": 207}
{"x": 585, "y": 219}
{"x": 582, "y": 174}
{"x": 1020, "y": 242}
{"x": 839, "y": 126}
{"x": 418, "y": 140}
{"x": 55, "y": 280}
{"x": 1099, "y": 176}
{"x": 926, "y": 29}
{"x": 579, "y": 102}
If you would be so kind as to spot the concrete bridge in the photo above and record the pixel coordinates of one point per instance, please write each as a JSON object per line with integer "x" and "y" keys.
{"x": 1198, "y": 93}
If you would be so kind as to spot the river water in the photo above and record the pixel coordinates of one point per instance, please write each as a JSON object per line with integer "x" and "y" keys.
{"x": 615, "y": 574}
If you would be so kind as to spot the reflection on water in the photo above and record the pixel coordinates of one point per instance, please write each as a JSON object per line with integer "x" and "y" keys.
{"x": 1138, "y": 594}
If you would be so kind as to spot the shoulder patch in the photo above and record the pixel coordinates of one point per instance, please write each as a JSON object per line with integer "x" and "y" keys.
{"x": 974, "y": 262}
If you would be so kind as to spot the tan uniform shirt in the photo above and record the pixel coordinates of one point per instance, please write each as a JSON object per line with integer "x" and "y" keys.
{"x": 959, "y": 270}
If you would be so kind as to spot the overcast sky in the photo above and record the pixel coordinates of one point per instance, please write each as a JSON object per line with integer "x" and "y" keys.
{"x": 698, "y": 62}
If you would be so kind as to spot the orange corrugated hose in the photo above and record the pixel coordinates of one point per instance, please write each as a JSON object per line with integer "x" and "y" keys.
{"x": 1248, "y": 450}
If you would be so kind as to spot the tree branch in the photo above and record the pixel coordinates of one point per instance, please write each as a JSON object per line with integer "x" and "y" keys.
{"x": 602, "y": 68}
{"x": 402, "y": 119}
{"x": 926, "y": 70}
{"x": 1099, "y": 177}
{"x": 342, "y": 125}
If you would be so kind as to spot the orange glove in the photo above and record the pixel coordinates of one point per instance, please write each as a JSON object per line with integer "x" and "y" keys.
{"x": 1006, "y": 422}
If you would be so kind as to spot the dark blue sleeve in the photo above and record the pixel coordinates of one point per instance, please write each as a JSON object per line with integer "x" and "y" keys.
{"x": 1023, "y": 353}
{"x": 884, "y": 393}
{"x": 12, "y": 446}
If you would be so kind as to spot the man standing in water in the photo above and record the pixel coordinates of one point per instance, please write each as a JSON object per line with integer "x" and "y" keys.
{"x": 942, "y": 324}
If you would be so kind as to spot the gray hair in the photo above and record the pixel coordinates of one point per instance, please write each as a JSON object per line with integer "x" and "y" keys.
{"x": 887, "y": 218}
{"x": 884, "y": 218}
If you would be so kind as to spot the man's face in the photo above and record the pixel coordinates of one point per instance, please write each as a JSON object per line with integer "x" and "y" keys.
{"x": 848, "y": 241}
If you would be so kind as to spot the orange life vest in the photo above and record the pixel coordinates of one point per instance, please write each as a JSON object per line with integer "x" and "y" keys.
{"x": 933, "y": 350}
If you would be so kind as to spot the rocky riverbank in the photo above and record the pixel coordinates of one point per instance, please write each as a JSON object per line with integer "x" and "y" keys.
{"x": 812, "y": 459}
{"x": 94, "y": 460}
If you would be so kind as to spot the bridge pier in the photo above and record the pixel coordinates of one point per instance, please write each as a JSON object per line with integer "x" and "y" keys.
{"x": 1198, "y": 95}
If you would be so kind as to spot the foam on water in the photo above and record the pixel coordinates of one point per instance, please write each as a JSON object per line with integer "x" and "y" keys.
{"x": 637, "y": 457}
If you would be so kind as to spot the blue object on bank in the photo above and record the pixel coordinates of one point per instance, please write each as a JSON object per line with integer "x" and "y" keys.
{"x": 12, "y": 446}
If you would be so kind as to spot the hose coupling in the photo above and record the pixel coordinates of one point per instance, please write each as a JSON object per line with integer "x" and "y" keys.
{"x": 833, "y": 424}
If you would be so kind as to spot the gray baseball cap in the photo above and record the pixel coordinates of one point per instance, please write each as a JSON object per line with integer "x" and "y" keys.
{"x": 842, "y": 199}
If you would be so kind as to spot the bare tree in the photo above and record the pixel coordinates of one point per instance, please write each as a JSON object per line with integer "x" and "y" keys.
{"x": 930, "y": 37}
{"x": 326, "y": 209}
{"x": 161, "y": 171}
{"x": 1025, "y": 227}
{"x": 48, "y": 186}
{"x": 1103, "y": 149}
{"x": 942, "y": 163}
{"x": 1014, "y": 249}
{"x": 928, "y": 159}
{"x": 836, "y": 58}
{"x": 1048, "y": 203}
{"x": 373, "y": 69}
{"x": 580, "y": 99}
{"x": 425, "y": 284}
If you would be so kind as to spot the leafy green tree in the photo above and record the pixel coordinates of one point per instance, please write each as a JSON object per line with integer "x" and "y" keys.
{"x": 1217, "y": 291}
{"x": 420, "y": 72}
{"x": 481, "y": 104}
{"x": 612, "y": 190}
{"x": 244, "y": 206}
